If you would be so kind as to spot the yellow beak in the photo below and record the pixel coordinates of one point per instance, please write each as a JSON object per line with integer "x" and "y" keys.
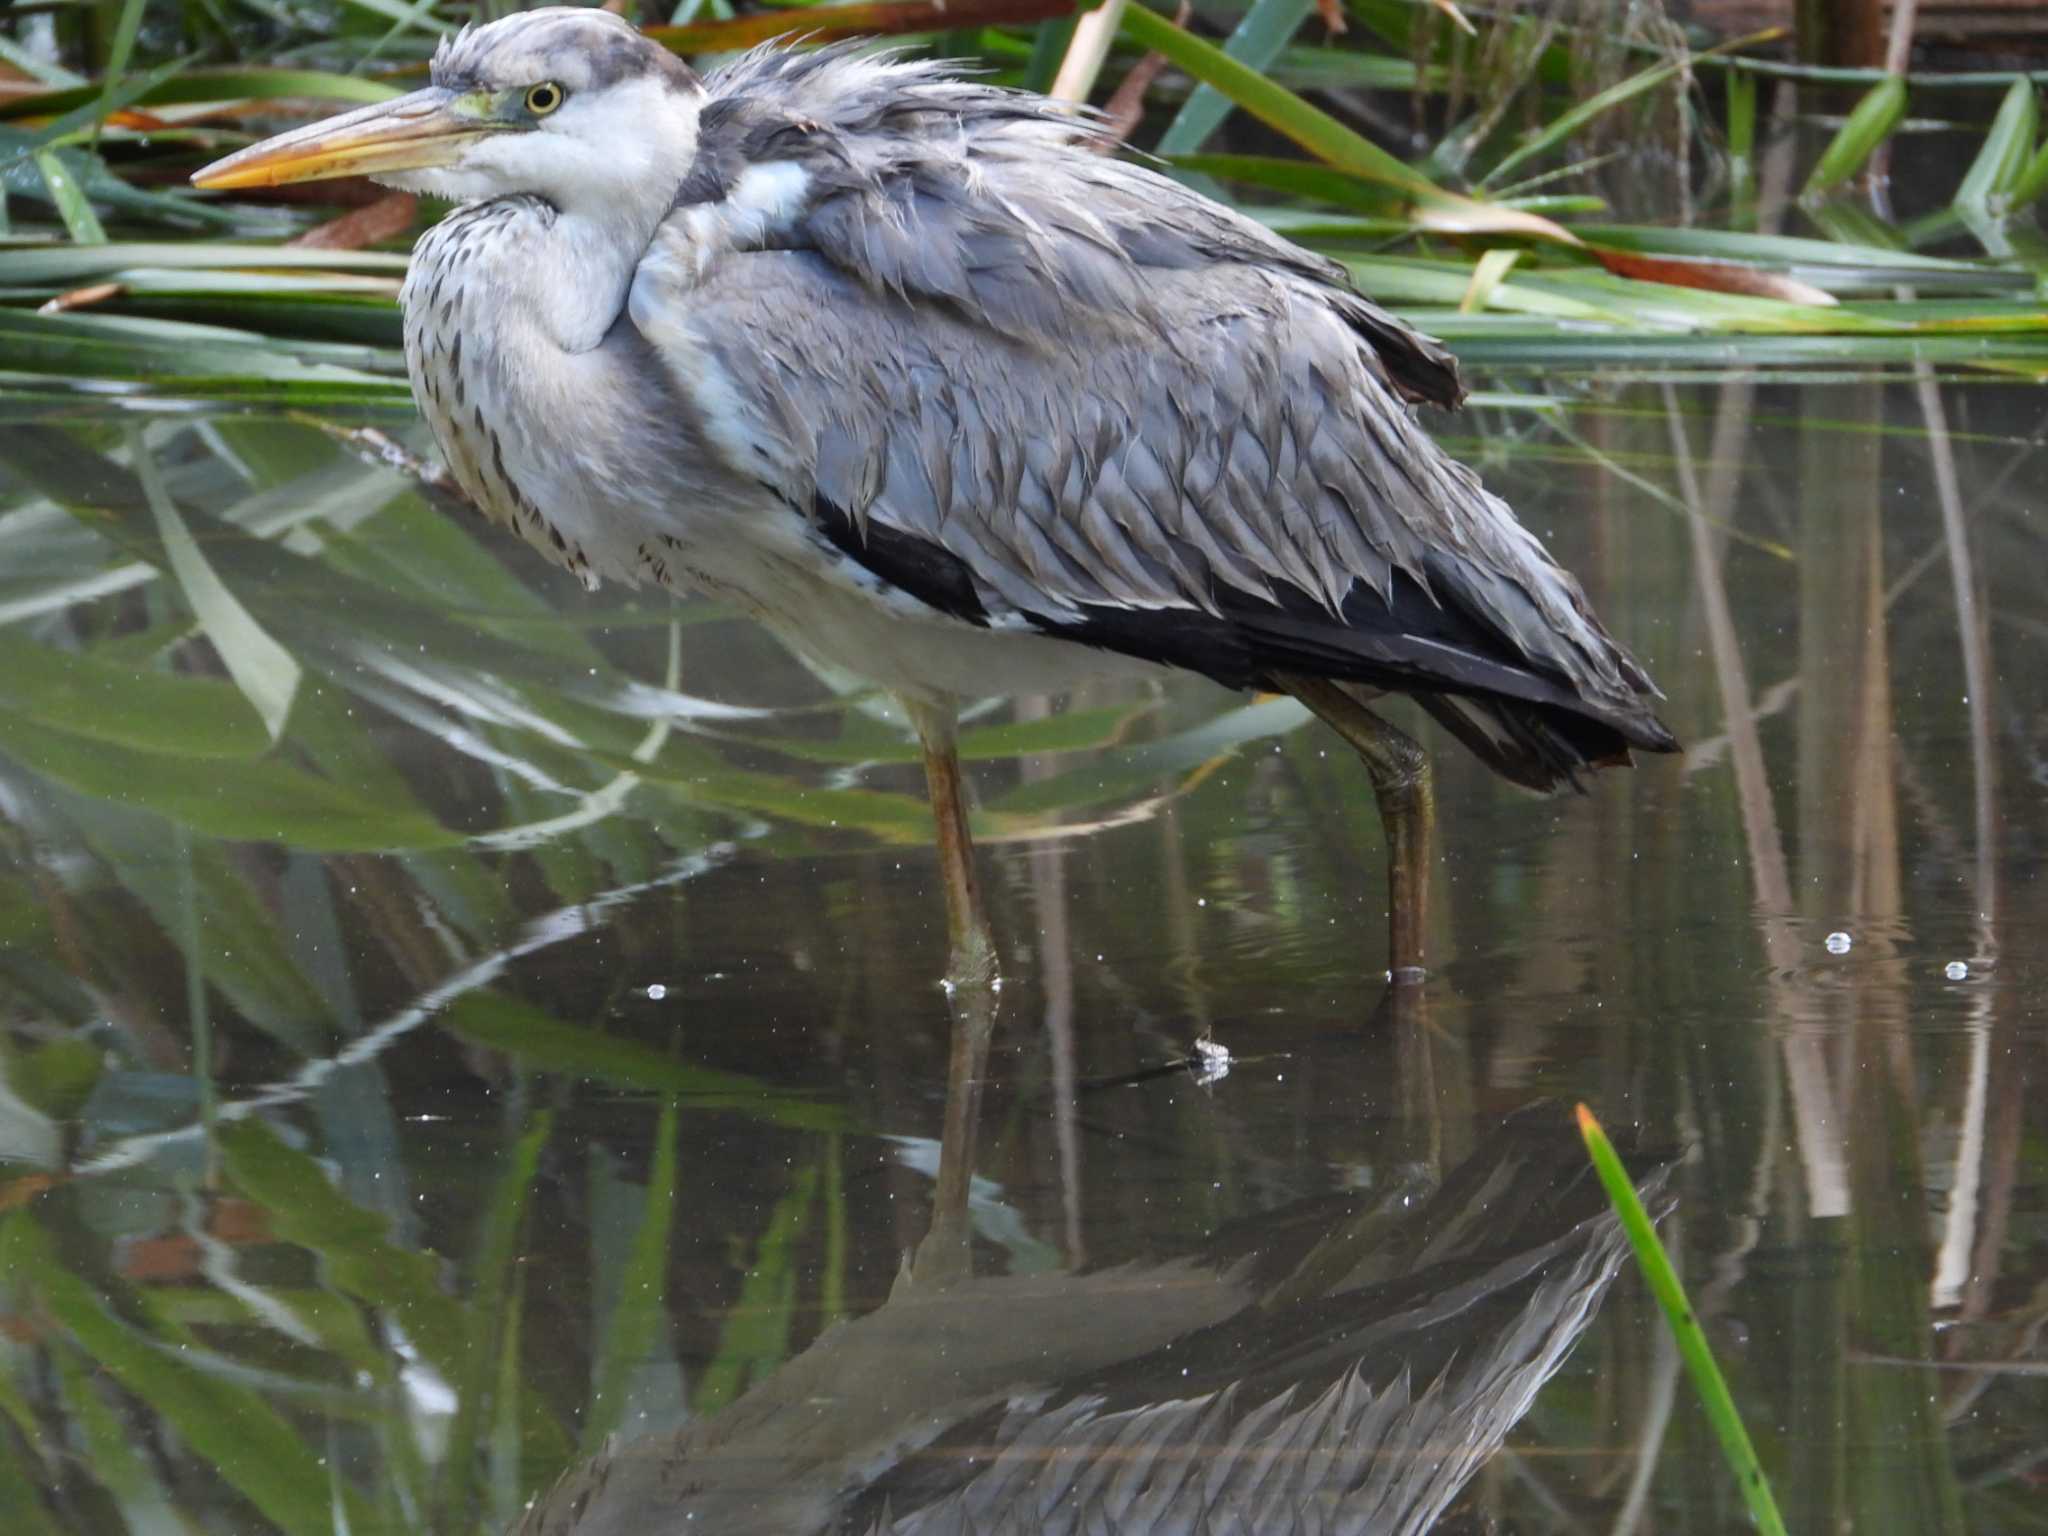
{"x": 416, "y": 132}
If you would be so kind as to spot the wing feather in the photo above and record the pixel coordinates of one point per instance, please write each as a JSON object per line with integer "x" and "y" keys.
{"x": 1106, "y": 397}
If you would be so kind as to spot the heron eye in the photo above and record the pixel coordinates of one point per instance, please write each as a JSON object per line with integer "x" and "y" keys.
{"x": 543, "y": 98}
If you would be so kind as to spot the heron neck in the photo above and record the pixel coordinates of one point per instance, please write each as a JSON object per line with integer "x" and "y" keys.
{"x": 578, "y": 270}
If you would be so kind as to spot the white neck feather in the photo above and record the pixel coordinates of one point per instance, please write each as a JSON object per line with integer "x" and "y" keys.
{"x": 609, "y": 163}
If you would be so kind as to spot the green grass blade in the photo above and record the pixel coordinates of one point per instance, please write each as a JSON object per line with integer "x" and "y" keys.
{"x": 632, "y": 1329}
{"x": 265, "y": 671}
{"x": 177, "y": 87}
{"x": 255, "y": 1449}
{"x": 2031, "y": 179}
{"x": 117, "y": 61}
{"x": 69, "y": 199}
{"x": 1868, "y": 126}
{"x": 1685, "y": 1327}
{"x": 1256, "y": 41}
{"x": 130, "y": 706}
{"x": 463, "y": 1489}
{"x": 1326, "y": 138}
{"x": 359, "y": 1256}
{"x": 541, "y": 1043}
{"x": 1565, "y": 124}
{"x": 2002, "y": 161}
{"x": 28, "y": 264}
{"x": 36, "y": 67}
{"x": 1487, "y": 276}
{"x": 1303, "y": 179}
{"x": 90, "y": 113}
{"x": 264, "y": 799}
{"x": 1278, "y": 108}
{"x": 117, "y": 1464}
{"x": 755, "y": 1339}
{"x": 1741, "y": 137}
{"x": 22, "y": 1510}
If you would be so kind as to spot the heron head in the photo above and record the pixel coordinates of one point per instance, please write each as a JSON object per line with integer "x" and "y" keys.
{"x": 567, "y": 104}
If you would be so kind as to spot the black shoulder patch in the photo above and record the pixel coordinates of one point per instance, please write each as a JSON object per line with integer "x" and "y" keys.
{"x": 909, "y": 562}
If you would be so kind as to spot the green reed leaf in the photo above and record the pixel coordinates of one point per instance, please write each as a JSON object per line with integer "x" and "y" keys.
{"x": 69, "y": 199}
{"x": 491, "y": 1271}
{"x": 634, "y": 1321}
{"x": 1866, "y": 127}
{"x": 540, "y": 1042}
{"x": 2003, "y": 159}
{"x": 230, "y": 1426}
{"x": 265, "y": 671}
{"x": 254, "y": 800}
{"x": 1256, "y": 41}
{"x": 1571, "y": 121}
{"x": 306, "y": 1208}
{"x": 140, "y": 707}
{"x": 755, "y": 1339}
{"x": 1325, "y": 137}
{"x": 1665, "y": 1285}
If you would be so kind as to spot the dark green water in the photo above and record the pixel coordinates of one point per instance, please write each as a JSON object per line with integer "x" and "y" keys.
{"x": 541, "y": 1040}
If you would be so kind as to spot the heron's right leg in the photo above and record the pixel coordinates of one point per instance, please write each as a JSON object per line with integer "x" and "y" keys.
{"x": 946, "y": 1252}
{"x": 971, "y": 959}
{"x": 1401, "y": 783}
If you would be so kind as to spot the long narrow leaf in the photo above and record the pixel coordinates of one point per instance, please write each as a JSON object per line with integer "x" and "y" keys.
{"x": 117, "y": 60}
{"x": 1328, "y": 139}
{"x": 2007, "y": 148}
{"x": 261, "y": 668}
{"x": 1685, "y": 1326}
{"x": 184, "y": 85}
{"x": 1567, "y": 123}
{"x": 885, "y": 18}
{"x": 490, "y": 1325}
{"x": 129, "y": 706}
{"x": 542, "y": 1043}
{"x": 253, "y": 800}
{"x": 1868, "y": 126}
{"x": 230, "y": 1426}
{"x": 69, "y": 199}
{"x": 634, "y": 1322}
{"x": 1256, "y": 41}
{"x": 89, "y": 113}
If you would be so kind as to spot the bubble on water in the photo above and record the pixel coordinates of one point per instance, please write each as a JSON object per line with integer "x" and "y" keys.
{"x": 1838, "y": 943}
{"x": 1956, "y": 970}
{"x": 656, "y": 992}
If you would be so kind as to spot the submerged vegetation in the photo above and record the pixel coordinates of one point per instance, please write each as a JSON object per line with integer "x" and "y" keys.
{"x": 297, "y": 768}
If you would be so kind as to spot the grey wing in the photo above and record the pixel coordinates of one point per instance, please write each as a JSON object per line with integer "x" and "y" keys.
{"x": 991, "y": 202}
{"x": 1226, "y": 496}
{"x": 1040, "y": 389}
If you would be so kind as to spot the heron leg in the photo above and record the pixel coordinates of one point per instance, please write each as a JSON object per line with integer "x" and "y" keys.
{"x": 947, "y": 1251}
{"x": 971, "y": 958}
{"x": 1401, "y": 783}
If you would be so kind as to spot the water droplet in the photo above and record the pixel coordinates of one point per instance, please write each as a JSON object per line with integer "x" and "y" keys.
{"x": 1956, "y": 970}
{"x": 656, "y": 992}
{"x": 1838, "y": 943}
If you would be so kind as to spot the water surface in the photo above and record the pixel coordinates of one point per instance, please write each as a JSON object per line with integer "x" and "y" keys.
{"x": 541, "y": 1040}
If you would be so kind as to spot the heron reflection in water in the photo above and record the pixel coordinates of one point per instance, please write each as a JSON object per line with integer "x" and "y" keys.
{"x": 1341, "y": 1365}
{"x": 898, "y": 363}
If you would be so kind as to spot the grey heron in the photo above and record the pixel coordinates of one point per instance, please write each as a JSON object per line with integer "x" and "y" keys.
{"x": 895, "y": 361}
{"x": 1342, "y": 1364}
